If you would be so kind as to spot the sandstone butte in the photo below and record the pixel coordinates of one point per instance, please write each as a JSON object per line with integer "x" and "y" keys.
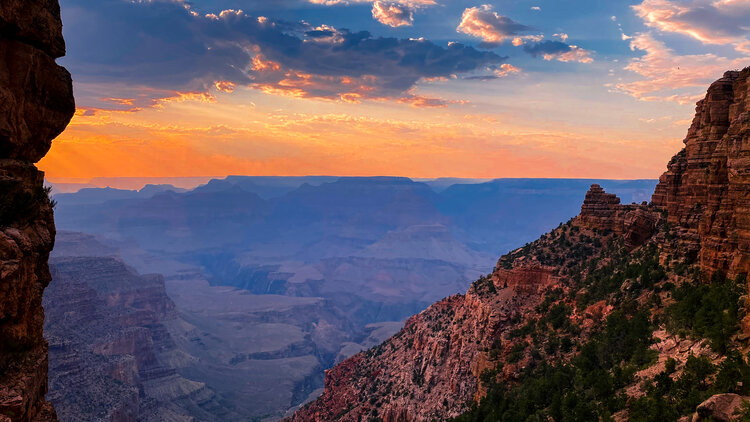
{"x": 700, "y": 213}
{"x": 36, "y": 104}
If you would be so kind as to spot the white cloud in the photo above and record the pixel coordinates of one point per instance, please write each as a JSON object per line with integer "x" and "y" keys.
{"x": 490, "y": 26}
{"x": 392, "y": 14}
{"x": 506, "y": 69}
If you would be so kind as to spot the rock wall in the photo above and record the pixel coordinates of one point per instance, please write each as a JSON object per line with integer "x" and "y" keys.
{"x": 603, "y": 211}
{"x": 433, "y": 367}
{"x": 705, "y": 189}
{"x": 109, "y": 347}
{"x": 36, "y": 104}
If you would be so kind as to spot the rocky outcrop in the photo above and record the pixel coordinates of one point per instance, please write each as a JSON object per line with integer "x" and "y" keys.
{"x": 720, "y": 408}
{"x": 36, "y": 104}
{"x": 432, "y": 368}
{"x": 109, "y": 347}
{"x": 704, "y": 191}
{"x": 36, "y": 95}
{"x": 700, "y": 214}
{"x": 603, "y": 211}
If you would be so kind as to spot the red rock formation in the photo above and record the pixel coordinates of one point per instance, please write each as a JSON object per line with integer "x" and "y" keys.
{"x": 599, "y": 209}
{"x": 36, "y": 103}
{"x": 430, "y": 369}
{"x": 527, "y": 278}
{"x": 720, "y": 408}
{"x": 705, "y": 189}
{"x": 603, "y": 211}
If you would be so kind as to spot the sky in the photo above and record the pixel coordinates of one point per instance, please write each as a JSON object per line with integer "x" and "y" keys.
{"x": 417, "y": 88}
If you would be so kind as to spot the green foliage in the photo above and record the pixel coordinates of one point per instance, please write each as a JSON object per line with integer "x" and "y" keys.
{"x": 484, "y": 285}
{"x": 558, "y": 316}
{"x": 19, "y": 205}
{"x": 709, "y": 310}
{"x": 744, "y": 412}
{"x": 667, "y": 399}
{"x": 516, "y": 353}
{"x": 524, "y": 331}
{"x": 583, "y": 390}
{"x": 641, "y": 269}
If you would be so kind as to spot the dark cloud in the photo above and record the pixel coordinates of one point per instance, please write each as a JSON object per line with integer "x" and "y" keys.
{"x": 557, "y": 50}
{"x": 164, "y": 45}
{"x": 320, "y": 33}
{"x": 546, "y": 47}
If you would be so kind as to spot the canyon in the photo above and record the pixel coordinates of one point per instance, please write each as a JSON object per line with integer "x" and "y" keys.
{"x": 304, "y": 298}
{"x": 473, "y": 356}
{"x": 261, "y": 301}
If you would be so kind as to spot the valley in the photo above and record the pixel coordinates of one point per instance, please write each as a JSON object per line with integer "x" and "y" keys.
{"x": 266, "y": 293}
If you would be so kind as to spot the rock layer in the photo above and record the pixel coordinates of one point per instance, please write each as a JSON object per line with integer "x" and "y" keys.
{"x": 109, "y": 347}
{"x": 36, "y": 104}
{"x": 704, "y": 191}
{"x": 700, "y": 214}
{"x": 603, "y": 211}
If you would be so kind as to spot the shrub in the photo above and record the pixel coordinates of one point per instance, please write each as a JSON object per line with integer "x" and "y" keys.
{"x": 707, "y": 310}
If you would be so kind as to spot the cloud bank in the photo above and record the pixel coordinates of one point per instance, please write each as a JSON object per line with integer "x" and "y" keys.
{"x": 163, "y": 46}
{"x": 708, "y": 21}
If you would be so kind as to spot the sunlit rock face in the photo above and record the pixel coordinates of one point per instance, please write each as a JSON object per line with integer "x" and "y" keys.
{"x": 705, "y": 189}
{"x": 700, "y": 214}
{"x": 36, "y": 104}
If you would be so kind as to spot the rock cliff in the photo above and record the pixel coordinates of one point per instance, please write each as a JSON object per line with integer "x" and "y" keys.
{"x": 36, "y": 104}
{"x": 609, "y": 316}
{"x": 111, "y": 356}
{"x": 705, "y": 189}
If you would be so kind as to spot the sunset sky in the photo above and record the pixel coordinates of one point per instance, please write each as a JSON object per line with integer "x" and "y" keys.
{"x": 419, "y": 88}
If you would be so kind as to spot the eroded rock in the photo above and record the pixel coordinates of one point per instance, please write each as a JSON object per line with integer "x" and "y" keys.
{"x": 36, "y": 104}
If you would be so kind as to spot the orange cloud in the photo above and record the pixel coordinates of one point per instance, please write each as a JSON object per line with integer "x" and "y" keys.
{"x": 505, "y": 70}
{"x": 424, "y": 102}
{"x": 483, "y": 23}
{"x": 171, "y": 142}
{"x": 225, "y": 86}
{"x": 710, "y": 22}
{"x": 575, "y": 54}
{"x": 392, "y": 14}
{"x": 181, "y": 97}
{"x": 260, "y": 64}
{"x": 120, "y": 101}
{"x": 667, "y": 74}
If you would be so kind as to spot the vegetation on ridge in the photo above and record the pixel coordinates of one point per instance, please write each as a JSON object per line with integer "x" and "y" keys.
{"x": 596, "y": 380}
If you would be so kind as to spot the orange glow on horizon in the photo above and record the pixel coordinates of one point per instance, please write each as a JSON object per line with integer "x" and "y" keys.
{"x": 200, "y": 134}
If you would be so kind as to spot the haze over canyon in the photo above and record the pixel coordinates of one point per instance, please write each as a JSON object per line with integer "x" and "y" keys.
{"x": 135, "y": 288}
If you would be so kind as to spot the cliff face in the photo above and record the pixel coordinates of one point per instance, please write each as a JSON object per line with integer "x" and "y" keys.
{"x": 36, "y": 103}
{"x": 705, "y": 189}
{"x": 110, "y": 348}
{"x": 570, "y": 298}
{"x": 603, "y": 211}
{"x": 432, "y": 369}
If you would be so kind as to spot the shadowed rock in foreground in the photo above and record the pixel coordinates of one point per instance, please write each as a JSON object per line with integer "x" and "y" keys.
{"x": 36, "y": 104}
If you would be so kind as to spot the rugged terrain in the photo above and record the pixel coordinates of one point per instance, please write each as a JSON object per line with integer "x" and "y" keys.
{"x": 275, "y": 281}
{"x": 126, "y": 347}
{"x": 36, "y": 104}
{"x": 111, "y": 356}
{"x": 379, "y": 248}
{"x": 626, "y": 312}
